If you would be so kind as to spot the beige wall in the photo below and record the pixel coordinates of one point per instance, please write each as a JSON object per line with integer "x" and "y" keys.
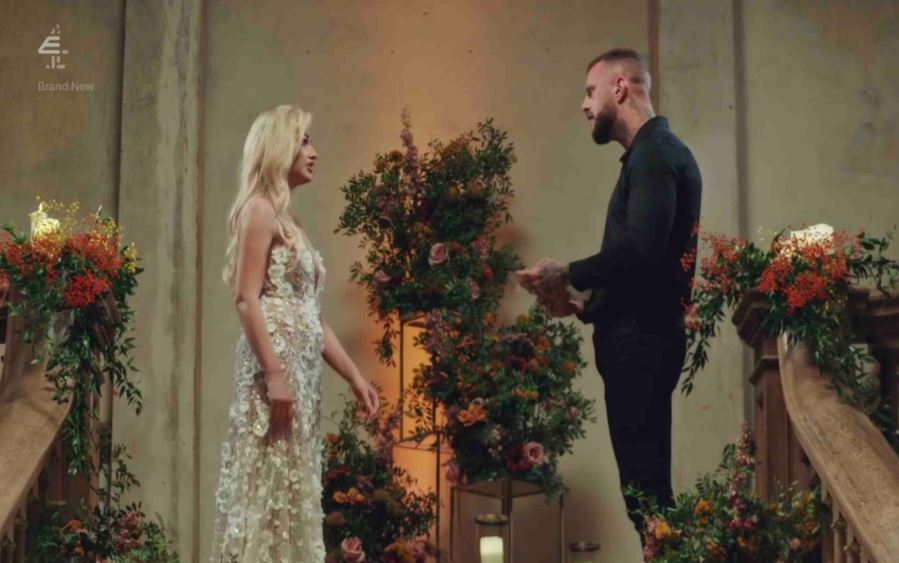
{"x": 822, "y": 113}
{"x": 61, "y": 145}
{"x": 790, "y": 107}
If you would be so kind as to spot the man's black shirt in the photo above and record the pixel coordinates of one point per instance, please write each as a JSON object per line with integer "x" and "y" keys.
{"x": 649, "y": 226}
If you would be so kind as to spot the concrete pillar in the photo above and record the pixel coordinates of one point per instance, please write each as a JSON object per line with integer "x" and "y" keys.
{"x": 159, "y": 203}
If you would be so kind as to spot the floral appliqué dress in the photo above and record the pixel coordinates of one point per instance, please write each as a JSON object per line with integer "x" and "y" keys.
{"x": 268, "y": 502}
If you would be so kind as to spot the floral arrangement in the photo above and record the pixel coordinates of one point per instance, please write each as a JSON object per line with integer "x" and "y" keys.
{"x": 721, "y": 520}
{"x": 110, "y": 532}
{"x": 509, "y": 406}
{"x": 806, "y": 279}
{"x": 373, "y": 510}
{"x": 428, "y": 223}
{"x": 70, "y": 280}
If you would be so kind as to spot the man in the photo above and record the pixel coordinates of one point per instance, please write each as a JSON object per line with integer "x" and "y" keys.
{"x": 638, "y": 284}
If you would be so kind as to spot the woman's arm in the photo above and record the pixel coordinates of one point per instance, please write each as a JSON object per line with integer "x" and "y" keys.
{"x": 336, "y": 357}
{"x": 254, "y": 243}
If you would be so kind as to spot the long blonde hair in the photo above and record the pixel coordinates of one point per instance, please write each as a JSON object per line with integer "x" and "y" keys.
{"x": 268, "y": 153}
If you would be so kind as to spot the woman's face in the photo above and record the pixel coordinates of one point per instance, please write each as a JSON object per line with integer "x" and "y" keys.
{"x": 303, "y": 166}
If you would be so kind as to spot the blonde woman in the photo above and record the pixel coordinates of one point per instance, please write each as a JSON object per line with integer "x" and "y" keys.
{"x": 269, "y": 495}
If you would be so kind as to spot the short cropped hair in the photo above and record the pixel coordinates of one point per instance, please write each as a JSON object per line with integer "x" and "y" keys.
{"x": 618, "y": 54}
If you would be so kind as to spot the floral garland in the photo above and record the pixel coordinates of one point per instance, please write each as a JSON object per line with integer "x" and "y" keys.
{"x": 722, "y": 520}
{"x": 373, "y": 512}
{"x": 81, "y": 274}
{"x": 806, "y": 279}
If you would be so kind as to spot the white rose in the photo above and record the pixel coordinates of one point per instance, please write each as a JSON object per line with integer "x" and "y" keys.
{"x": 812, "y": 234}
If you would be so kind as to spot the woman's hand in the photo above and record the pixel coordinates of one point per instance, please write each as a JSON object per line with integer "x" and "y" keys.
{"x": 366, "y": 395}
{"x": 281, "y": 402}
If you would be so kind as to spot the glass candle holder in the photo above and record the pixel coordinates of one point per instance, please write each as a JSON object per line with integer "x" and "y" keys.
{"x": 584, "y": 552}
{"x": 491, "y": 534}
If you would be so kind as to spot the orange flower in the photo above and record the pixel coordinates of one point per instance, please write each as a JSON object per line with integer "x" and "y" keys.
{"x": 340, "y": 497}
{"x": 716, "y": 552}
{"x": 73, "y": 525}
{"x": 522, "y": 394}
{"x": 810, "y": 527}
{"x": 570, "y": 368}
{"x": 332, "y": 438}
{"x": 353, "y": 496}
{"x": 474, "y": 414}
{"x": 702, "y": 507}
{"x": 663, "y": 531}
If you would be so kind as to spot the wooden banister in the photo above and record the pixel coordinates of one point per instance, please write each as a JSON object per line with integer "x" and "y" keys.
{"x": 855, "y": 464}
{"x": 805, "y": 433}
{"x": 32, "y": 459}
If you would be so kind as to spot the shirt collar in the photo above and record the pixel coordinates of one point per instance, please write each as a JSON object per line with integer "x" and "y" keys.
{"x": 657, "y": 122}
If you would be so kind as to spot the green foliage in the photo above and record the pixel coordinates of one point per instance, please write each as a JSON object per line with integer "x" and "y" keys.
{"x": 806, "y": 282}
{"x": 722, "y": 520}
{"x": 113, "y": 530}
{"x": 507, "y": 395}
{"x": 367, "y": 497}
{"x": 428, "y": 227}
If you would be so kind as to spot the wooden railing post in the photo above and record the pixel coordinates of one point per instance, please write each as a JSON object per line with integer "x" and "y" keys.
{"x": 838, "y": 528}
{"x": 779, "y": 458}
{"x": 878, "y": 324}
{"x": 20, "y": 527}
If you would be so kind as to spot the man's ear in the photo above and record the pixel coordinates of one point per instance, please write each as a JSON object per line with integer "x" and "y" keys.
{"x": 620, "y": 89}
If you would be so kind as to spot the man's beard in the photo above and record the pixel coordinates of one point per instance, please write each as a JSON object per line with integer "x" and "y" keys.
{"x": 602, "y": 127}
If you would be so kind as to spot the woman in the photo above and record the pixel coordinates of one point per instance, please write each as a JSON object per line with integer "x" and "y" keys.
{"x": 269, "y": 496}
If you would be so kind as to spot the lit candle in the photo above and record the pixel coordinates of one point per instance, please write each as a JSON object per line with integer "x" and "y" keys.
{"x": 491, "y": 549}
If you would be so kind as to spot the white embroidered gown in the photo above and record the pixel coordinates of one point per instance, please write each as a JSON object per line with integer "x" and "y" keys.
{"x": 268, "y": 501}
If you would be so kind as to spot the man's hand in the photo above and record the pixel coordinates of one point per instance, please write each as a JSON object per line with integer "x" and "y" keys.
{"x": 560, "y": 304}
{"x": 546, "y": 278}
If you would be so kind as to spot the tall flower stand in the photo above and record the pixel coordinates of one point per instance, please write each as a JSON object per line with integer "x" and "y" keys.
{"x": 508, "y": 493}
{"x": 424, "y": 461}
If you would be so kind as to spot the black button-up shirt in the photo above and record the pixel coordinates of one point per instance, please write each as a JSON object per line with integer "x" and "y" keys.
{"x": 649, "y": 226}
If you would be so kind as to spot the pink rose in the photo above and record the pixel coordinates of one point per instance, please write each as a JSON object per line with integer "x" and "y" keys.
{"x": 381, "y": 277}
{"x": 534, "y": 453}
{"x": 453, "y": 472}
{"x": 418, "y": 549}
{"x": 475, "y": 289}
{"x": 351, "y": 549}
{"x": 439, "y": 254}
